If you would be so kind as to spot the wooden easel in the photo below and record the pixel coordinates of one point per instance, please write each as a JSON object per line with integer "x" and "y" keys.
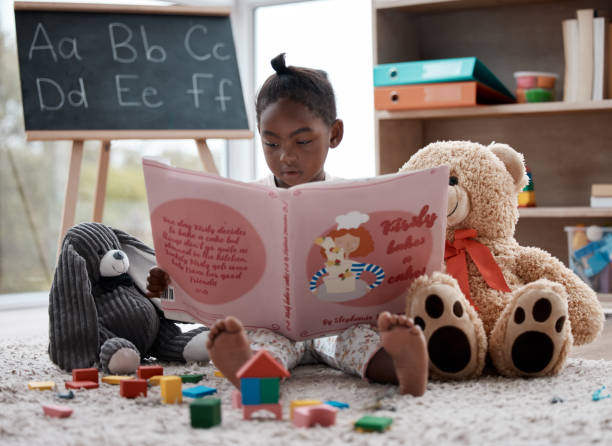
{"x": 76, "y": 158}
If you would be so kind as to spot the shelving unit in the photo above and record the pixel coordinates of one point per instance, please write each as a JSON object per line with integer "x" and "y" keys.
{"x": 567, "y": 146}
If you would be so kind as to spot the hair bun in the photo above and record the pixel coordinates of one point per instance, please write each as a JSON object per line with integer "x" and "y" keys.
{"x": 278, "y": 63}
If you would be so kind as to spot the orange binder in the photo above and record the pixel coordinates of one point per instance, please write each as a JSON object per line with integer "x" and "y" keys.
{"x": 439, "y": 95}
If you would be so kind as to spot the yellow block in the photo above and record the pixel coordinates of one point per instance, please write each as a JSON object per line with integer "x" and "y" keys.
{"x": 154, "y": 380}
{"x": 115, "y": 379}
{"x": 218, "y": 374}
{"x": 301, "y": 403}
{"x": 41, "y": 385}
{"x": 171, "y": 389}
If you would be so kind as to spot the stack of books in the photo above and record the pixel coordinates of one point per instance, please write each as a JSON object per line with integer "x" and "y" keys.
{"x": 587, "y": 48}
{"x": 456, "y": 82}
{"x": 601, "y": 195}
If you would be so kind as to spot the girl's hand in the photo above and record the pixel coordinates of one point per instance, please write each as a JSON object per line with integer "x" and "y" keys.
{"x": 157, "y": 282}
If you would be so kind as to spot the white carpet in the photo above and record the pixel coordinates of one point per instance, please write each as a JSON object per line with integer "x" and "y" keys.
{"x": 488, "y": 411}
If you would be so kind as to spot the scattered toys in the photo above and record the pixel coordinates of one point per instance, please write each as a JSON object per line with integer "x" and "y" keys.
{"x": 199, "y": 391}
{"x": 337, "y": 404}
{"x": 147, "y": 371}
{"x": 171, "y": 389}
{"x": 68, "y": 395}
{"x": 115, "y": 379}
{"x": 56, "y": 411}
{"x": 193, "y": 378}
{"x": 597, "y": 396}
{"x": 132, "y": 388}
{"x": 259, "y": 383}
{"x": 90, "y": 374}
{"x": 81, "y": 385}
{"x": 205, "y": 412}
{"x": 41, "y": 385}
{"x": 301, "y": 403}
{"x": 370, "y": 423}
{"x": 154, "y": 380}
{"x": 307, "y": 416}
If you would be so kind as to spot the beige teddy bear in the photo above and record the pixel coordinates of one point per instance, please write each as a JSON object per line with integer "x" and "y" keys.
{"x": 519, "y": 304}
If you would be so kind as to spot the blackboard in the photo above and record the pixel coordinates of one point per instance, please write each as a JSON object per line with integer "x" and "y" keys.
{"x": 170, "y": 68}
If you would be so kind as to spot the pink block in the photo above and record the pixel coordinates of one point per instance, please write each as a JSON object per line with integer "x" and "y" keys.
{"x": 307, "y": 416}
{"x": 54, "y": 410}
{"x": 526, "y": 81}
{"x": 249, "y": 409}
{"x": 236, "y": 399}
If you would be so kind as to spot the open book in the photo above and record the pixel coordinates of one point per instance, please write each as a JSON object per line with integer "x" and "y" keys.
{"x": 306, "y": 261}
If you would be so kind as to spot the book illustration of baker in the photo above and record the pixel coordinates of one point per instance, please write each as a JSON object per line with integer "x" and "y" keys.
{"x": 341, "y": 275}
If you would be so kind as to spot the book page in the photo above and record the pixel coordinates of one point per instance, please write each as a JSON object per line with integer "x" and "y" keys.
{"x": 220, "y": 241}
{"x": 356, "y": 246}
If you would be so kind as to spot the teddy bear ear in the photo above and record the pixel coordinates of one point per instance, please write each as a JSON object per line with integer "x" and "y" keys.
{"x": 514, "y": 162}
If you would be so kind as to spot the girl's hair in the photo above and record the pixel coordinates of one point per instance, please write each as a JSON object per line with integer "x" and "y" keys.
{"x": 305, "y": 86}
{"x": 366, "y": 244}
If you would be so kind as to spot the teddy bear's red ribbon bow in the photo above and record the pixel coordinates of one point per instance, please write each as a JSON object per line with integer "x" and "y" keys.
{"x": 456, "y": 262}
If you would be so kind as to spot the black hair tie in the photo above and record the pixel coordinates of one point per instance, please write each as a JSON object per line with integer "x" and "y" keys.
{"x": 278, "y": 64}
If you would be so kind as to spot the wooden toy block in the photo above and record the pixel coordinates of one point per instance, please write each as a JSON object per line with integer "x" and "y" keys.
{"x": 41, "y": 385}
{"x": 249, "y": 410}
{"x": 81, "y": 385}
{"x": 218, "y": 374}
{"x": 205, "y": 412}
{"x": 369, "y": 423}
{"x": 194, "y": 378}
{"x": 301, "y": 403}
{"x": 236, "y": 399}
{"x": 57, "y": 411}
{"x": 251, "y": 390}
{"x": 154, "y": 380}
{"x": 269, "y": 390}
{"x": 132, "y": 388}
{"x": 68, "y": 395}
{"x": 307, "y": 416}
{"x": 147, "y": 371}
{"x": 337, "y": 404}
{"x": 115, "y": 379}
{"x": 262, "y": 365}
{"x": 171, "y": 389}
{"x": 198, "y": 391}
{"x": 90, "y": 374}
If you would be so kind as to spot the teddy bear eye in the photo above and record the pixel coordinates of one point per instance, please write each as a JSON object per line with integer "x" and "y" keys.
{"x": 453, "y": 180}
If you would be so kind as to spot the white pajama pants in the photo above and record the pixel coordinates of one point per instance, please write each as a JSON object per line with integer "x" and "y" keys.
{"x": 351, "y": 351}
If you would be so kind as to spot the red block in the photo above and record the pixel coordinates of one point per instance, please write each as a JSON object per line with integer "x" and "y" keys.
{"x": 85, "y": 374}
{"x": 147, "y": 371}
{"x": 132, "y": 388}
{"x": 54, "y": 410}
{"x": 82, "y": 385}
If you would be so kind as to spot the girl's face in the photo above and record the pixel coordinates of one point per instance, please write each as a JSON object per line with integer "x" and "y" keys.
{"x": 347, "y": 242}
{"x": 295, "y": 142}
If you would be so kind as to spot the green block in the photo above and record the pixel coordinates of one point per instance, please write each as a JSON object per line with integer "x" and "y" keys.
{"x": 371, "y": 423}
{"x": 205, "y": 412}
{"x": 539, "y": 95}
{"x": 195, "y": 378}
{"x": 269, "y": 390}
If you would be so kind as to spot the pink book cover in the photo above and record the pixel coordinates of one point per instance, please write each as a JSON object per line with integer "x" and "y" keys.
{"x": 307, "y": 261}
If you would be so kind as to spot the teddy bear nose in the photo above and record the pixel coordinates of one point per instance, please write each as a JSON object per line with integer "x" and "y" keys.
{"x": 117, "y": 255}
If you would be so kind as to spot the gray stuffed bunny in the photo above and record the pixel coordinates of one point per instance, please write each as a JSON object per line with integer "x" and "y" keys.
{"x": 98, "y": 313}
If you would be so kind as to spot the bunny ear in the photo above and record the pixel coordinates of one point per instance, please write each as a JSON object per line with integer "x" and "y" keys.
{"x": 141, "y": 257}
{"x": 73, "y": 318}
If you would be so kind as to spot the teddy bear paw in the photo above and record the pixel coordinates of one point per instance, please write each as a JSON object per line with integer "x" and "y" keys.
{"x": 537, "y": 336}
{"x": 456, "y": 341}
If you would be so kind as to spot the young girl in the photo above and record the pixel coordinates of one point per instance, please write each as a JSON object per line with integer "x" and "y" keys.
{"x": 296, "y": 119}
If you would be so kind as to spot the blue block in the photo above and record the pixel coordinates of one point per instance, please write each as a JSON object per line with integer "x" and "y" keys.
{"x": 337, "y": 404}
{"x": 250, "y": 388}
{"x": 198, "y": 391}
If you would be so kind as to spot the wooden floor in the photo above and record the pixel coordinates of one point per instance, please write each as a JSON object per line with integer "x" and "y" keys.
{"x": 33, "y": 322}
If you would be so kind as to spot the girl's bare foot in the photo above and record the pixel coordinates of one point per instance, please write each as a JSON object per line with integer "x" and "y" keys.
{"x": 228, "y": 347}
{"x": 406, "y": 345}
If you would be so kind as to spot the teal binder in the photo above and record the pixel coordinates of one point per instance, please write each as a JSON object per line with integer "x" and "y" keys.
{"x": 439, "y": 70}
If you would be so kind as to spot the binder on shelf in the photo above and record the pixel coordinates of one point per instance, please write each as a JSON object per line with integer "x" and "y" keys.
{"x": 438, "y": 95}
{"x": 438, "y": 70}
